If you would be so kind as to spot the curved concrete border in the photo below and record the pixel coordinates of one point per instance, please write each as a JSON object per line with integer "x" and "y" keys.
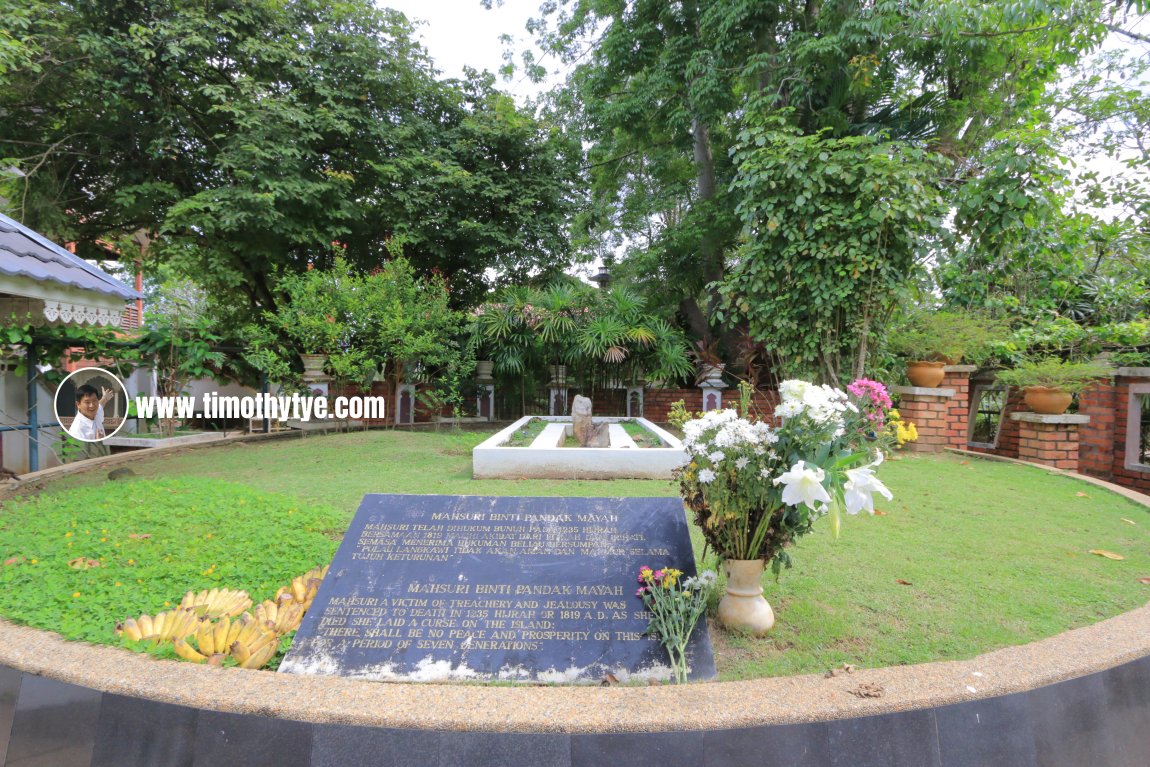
{"x": 714, "y": 705}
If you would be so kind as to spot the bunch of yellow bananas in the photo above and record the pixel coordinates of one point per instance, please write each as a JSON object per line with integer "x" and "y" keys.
{"x": 280, "y": 616}
{"x": 303, "y": 588}
{"x": 217, "y": 602}
{"x": 243, "y": 638}
{"x": 162, "y": 627}
{"x": 219, "y": 622}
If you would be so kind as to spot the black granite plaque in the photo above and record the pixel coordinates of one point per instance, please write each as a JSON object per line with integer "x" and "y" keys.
{"x": 432, "y": 588}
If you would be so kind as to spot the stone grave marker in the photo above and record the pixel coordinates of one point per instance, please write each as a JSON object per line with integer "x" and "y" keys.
{"x": 432, "y": 588}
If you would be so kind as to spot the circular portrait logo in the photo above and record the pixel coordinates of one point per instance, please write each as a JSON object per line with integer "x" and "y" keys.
{"x": 91, "y": 404}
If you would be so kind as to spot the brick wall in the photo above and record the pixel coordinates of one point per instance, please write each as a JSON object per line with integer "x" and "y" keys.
{"x": 657, "y": 402}
{"x": 1132, "y": 478}
{"x": 1101, "y": 444}
{"x": 1097, "y": 445}
{"x": 1008, "y": 435}
{"x": 1053, "y": 444}
{"x": 928, "y": 413}
{"x": 957, "y": 409}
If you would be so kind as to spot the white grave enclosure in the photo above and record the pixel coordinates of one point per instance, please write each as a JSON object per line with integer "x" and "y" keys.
{"x": 546, "y": 459}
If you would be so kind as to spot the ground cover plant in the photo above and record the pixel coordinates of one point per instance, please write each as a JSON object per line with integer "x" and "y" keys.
{"x": 970, "y": 556}
{"x": 641, "y": 436}
{"x": 525, "y": 435}
{"x": 80, "y": 561}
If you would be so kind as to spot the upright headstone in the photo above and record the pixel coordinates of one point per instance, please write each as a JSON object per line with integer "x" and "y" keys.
{"x": 428, "y": 588}
{"x": 586, "y": 431}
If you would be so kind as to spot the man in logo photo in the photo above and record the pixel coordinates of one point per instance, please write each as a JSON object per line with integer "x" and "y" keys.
{"x": 89, "y": 422}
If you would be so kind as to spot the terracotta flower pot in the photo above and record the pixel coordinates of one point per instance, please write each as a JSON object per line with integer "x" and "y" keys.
{"x": 927, "y": 375}
{"x": 743, "y": 606}
{"x": 1047, "y": 401}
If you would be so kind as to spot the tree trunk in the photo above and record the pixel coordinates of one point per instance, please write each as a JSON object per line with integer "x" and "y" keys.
{"x": 709, "y": 250}
{"x": 860, "y": 359}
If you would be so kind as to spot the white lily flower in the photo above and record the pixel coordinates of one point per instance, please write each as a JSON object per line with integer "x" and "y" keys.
{"x": 803, "y": 485}
{"x": 860, "y": 487}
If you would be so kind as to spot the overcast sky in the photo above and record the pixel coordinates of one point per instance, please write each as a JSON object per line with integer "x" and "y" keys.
{"x": 460, "y": 33}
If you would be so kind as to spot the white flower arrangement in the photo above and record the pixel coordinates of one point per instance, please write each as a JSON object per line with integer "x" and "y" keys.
{"x": 756, "y": 487}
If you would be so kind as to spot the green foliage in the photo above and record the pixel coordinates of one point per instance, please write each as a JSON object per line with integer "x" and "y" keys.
{"x": 663, "y": 92}
{"x": 679, "y": 415}
{"x": 948, "y": 336}
{"x": 833, "y": 229}
{"x": 389, "y": 319}
{"x": 1054, "y": 373}
{"x": 249, "y": 137}
{"x": 154, "y": 541}
{"x": 601, "y": 335}
{"x": 1064, "y": 337}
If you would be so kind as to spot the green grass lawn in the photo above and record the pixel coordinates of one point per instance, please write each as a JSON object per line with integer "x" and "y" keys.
{"x": 970, "y": 556}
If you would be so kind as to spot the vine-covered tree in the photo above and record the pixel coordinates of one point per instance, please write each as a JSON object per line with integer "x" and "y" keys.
{"x": 668, "y": 94}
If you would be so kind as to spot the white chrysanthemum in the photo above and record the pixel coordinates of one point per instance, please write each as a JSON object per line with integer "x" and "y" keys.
{"x": 716, "y": 456}
{"x": 741, "y": 463}
{"x": 793, "y": 389}
{"x": 788, "y": 409}
{"x": 706, "y": 475}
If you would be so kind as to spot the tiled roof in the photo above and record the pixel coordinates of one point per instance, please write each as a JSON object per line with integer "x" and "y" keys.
{"x": 24, "y": 253}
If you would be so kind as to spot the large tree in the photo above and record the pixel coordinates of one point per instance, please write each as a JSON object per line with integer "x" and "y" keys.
{"x": 663, "y": 92}
{"x": 246, "y": 138}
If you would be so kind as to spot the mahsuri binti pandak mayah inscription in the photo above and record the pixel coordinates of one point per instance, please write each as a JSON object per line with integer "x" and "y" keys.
{"x": 430, "y": 588}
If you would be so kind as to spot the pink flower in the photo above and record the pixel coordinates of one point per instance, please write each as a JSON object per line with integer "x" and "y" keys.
{"x": 872, "y": 391}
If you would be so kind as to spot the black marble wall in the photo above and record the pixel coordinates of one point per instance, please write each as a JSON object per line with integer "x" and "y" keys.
{"x": 1101, "y": 720}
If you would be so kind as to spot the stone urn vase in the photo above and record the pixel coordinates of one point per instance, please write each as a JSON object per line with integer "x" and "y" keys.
{"x": 483, "y": 369}
{"x": 743, "y": 606}
{"x": 1047, "y": 401}
{"x": 711, "y": 372}
{"x": 313, "y": 366}
{"x": 927, "y": 375}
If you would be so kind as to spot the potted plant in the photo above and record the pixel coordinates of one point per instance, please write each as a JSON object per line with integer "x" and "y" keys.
{"x": 313, "y": 313}
{"x": 707, "y": 357}
{"x": 932, "y": 340}
{"x": 756, "y": 487}
{"x": 1050, "y": 383}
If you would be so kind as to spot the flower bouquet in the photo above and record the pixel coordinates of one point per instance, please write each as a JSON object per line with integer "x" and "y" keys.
{"x": 675, "y": 606}
{"x": 756, "y": 487}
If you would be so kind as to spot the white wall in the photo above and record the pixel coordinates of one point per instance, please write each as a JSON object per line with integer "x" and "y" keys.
{"x": 14, "y": 412}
